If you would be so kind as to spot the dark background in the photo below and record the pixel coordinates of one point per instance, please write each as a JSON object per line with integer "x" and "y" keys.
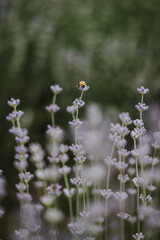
{"x": 112, "y": 45}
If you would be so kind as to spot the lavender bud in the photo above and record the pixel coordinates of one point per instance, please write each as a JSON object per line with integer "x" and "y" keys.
{"x": 142, "y": 90}
{"x": 125, "y": 118}
{"x": 13, "y": 102}
{"x": 52, "y": 108}
{"x": 65, "y": 170}
{"x": 56, "y": 89}
{"x": 138, "y": 236}
{"x": 80, "y": 159}
{"x": 71, "y": 109}
{"x": 141, "y": 107}
{"x": 106, "y": 194}
{"x": 76, "y": 123}
{"x": 78, "y": 103}
{"x": 69, "y": 193}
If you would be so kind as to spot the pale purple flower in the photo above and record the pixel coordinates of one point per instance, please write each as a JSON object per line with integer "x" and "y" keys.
{"x": 63, "y": 148}
{"x": 123, "y": 215}
{"x": 80, "y": 159}
{"x": 138, "y": 236}
{"x": 76, "y": 123}
{"x": 53, "y": 158}
{"x": 76, "y": 149}
{"x": 125, "y": 118}
{"x": 53, "y": 108}
{"x": 21, "y": 187}
{"x": 22, "y": 234}
{"x": 65, "y": 170}
{"x": 69, "y": 193}
{"x": 106, "y": 194}
{"x": 156, "y": 136}
{"x": 63, "y": 158}
{"x": 115, "y": 128}
{"x": 120, "y": 196}
{"x": 20, "y": 166}
{"x": 138, "y": 123}
{"x": 71, "y": 109}
{"x": 76, "y": 181}
{"x": 151, "y": 188}
{"x": 24, "y": 197}
{"x": 85, "y": 214}
{"x": 138, "y": 181}
{"x": 56, "y": 89}
{"x": 141, "y": 107}
{"x": 123, "y": 152}
{"x": 55, "y": 133}
{"x": 13, "y": 102}
{"x": 14, "y": 116}
{"x": 131, "y": 171}
{"x": 135, "y": 153}
{"x": 27, "y": 176}
{"x": 21, "y": 149}
{"x": 121, "y": 165}
{"x": 78, "y": 103}
{"x": 132, "y": 191}
{"x": 124, "y": 178}
{"x": 47, "y": 200}
{"x": 109, "y": 161}
{"x": 120, "y": 143}
{"x": 54, "y": 189}
{"x": 142, "y": 90}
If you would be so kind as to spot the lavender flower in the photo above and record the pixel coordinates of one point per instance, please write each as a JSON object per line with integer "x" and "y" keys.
{"x": 56, "y": 89}
{"x": 120, "y": 196}
{"x": 76, "y": 149}
{"x": 54, "y": 189}
{"x": 80, "y": 159}
{"x": 13, "y": 102}
{"x": 82, "y": 86}
{"x": 71, "y": 109}
{"x": 78, "y": 103}
{"x": 125, "y": 118}
{"x": 65, "y": 170}
{"x": 141, "y": 107}
{"x": 106, "y": 194}
{"x": 69, "y": 193}
{"x": 52, "y": 108}
{"x": 24, "y": 197}
{"x": 138, "y": 236}
{"x": 142, "y": 90}
{"x": 14, "y": 116}
{"x": 156, "y": 143}
{"x": 63, "y": 148}
{"x": 55, "y": 133}
{"x": 123, "y": 215}
{"x": 138, "y": 123}
{"x": 76, "y": 123}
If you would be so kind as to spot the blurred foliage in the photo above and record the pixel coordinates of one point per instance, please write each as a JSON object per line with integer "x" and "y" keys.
{"x": 112, "y": 45}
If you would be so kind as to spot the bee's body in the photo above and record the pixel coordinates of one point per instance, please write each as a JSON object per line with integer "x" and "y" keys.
{"x": 82, "y": 84}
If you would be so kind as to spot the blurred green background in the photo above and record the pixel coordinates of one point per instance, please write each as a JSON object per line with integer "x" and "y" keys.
{"x": 112, "y": 45}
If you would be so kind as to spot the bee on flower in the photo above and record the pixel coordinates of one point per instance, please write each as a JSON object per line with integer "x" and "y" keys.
{"x": 82, "y": 86}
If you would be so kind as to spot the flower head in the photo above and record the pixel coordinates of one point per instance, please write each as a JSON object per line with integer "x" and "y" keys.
{"x": 82, "y": 86}
{"x": 56, "y": 89}
{"x": 142, "y": 90}
{"x": 13, "y": 102}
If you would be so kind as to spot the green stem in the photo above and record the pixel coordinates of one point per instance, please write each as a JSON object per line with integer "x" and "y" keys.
{"x": 137, "y": 175}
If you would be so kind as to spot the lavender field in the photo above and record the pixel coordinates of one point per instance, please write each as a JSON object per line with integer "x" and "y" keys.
{"x": 105, "y": 185}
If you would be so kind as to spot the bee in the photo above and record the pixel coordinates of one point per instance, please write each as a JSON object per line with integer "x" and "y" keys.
{"x": 81, "y": 84}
